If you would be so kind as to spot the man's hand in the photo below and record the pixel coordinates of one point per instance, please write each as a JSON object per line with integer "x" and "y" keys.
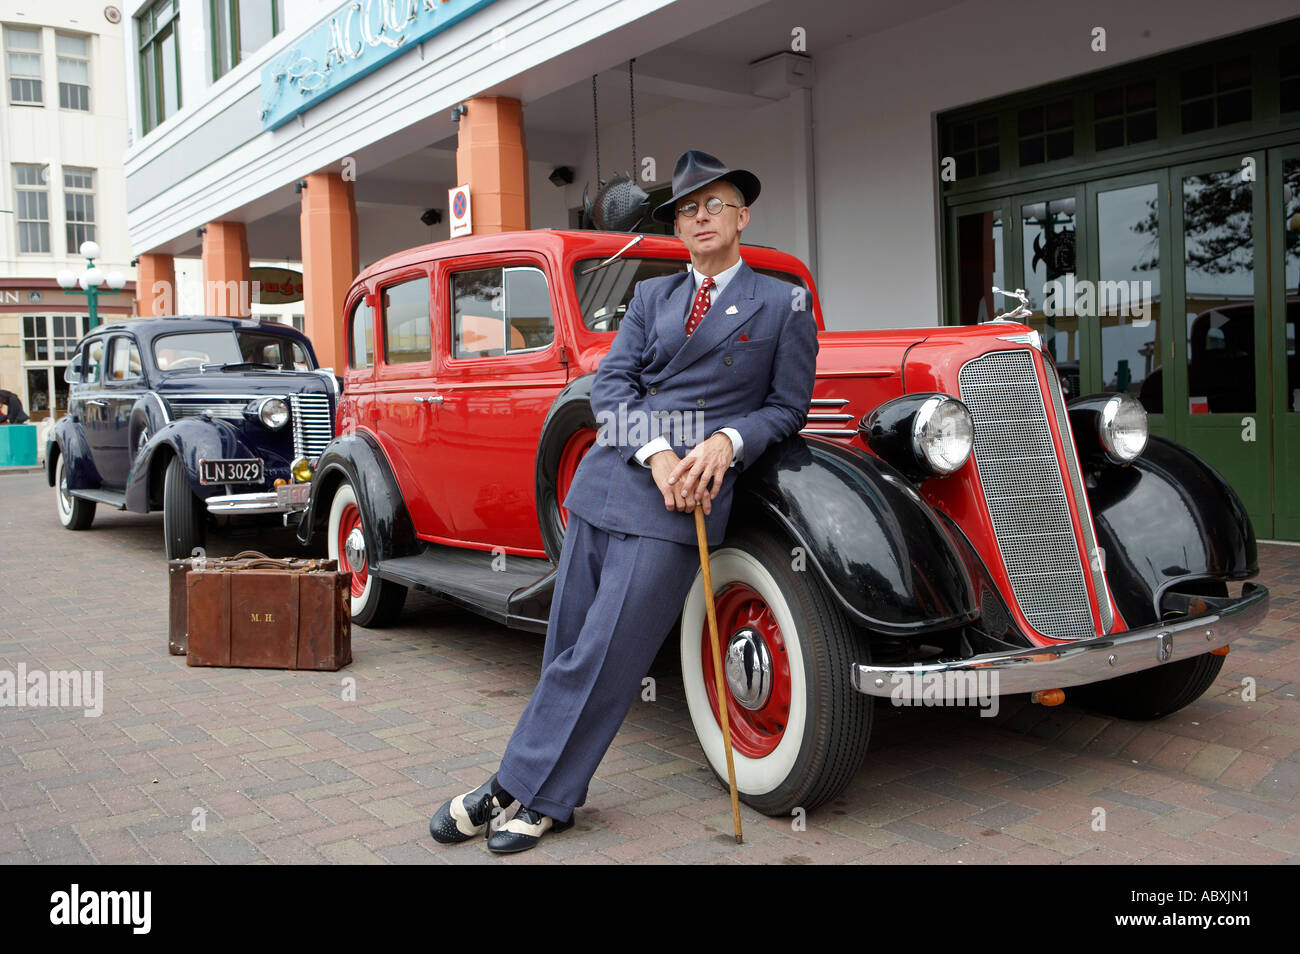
{"x": 697, "y": 477}
{"x": 662, "y": 466}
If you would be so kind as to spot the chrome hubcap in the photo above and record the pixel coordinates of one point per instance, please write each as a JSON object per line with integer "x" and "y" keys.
{"x": 354, "y": 549}
{"x": 748, "y": 667}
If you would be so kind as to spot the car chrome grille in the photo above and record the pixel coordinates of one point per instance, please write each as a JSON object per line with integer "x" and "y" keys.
{"x": 827, "y": 417}
{"x": 1025, "y": 493}
{"x": 312, "y": 424}
{"x": 228, "y": 410}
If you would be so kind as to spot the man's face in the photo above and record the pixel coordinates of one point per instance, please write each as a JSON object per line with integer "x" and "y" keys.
{"x": 707, "y": 234}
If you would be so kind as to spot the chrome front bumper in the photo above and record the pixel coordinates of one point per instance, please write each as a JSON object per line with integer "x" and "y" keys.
{"x": 1085, "y": 660}
{"x": 271, "y": 501}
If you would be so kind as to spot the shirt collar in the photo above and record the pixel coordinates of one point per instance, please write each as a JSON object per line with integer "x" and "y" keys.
{"x": 719, "y": 280}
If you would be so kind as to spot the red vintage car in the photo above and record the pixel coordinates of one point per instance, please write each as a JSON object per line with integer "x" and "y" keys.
{"x": 944, "y": 529}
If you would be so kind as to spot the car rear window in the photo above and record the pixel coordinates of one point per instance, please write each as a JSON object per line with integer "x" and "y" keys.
{"x": 603, "y": 295}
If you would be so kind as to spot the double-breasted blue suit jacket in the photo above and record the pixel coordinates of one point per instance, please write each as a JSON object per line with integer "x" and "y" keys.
{"x": 761, "y": 386}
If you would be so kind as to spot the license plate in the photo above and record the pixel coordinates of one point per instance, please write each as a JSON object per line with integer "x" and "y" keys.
{"x": 230, "y": 471}
{"x": 292, "y": 495}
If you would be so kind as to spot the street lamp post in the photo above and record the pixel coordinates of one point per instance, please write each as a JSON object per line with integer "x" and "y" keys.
{"x": 90, "y": 281}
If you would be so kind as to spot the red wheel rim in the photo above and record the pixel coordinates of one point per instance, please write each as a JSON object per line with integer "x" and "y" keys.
{"x": 351, "y": 520}
{"x": 755, "y": 733}
{"x": 574, "y": 450}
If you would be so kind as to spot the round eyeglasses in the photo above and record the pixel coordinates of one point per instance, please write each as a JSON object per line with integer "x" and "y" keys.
{"x": 713, "y": 206}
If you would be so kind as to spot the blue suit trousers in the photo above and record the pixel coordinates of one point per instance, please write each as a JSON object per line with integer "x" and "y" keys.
{"x": 616, "y": 597}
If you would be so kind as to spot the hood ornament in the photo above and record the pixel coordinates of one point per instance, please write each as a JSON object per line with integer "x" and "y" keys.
{"x": 1020, "y": 311}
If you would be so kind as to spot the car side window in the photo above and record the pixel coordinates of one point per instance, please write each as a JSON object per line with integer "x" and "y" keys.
{"x": 73, "y": 373}
{"x": 498, "y": 311}
{"x": 406, "y": 322}
{"x": 123, "y": 360}
{"x": 361, "y": 335}
{"x": 94, "y": 360}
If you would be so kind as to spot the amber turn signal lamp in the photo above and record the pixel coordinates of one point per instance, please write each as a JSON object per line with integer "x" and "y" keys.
{"x": 301, "y": 470}
{"x": 280, "y": 482}
{"x": 1221, "y": 651}
{"x": 1048, "y": 697}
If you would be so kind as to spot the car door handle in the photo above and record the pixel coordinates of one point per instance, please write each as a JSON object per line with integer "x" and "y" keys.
{"x": 431, "y": 399}
{"x": 95, "y": 403}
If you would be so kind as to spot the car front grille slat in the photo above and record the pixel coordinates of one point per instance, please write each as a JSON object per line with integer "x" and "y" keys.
{"x": 201, "y": 407}
{"x": 313, "y": 426}
{"x": 1025, "y": 492}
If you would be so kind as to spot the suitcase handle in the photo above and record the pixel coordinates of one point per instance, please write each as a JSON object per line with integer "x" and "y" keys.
{"x": 254, "y": 559}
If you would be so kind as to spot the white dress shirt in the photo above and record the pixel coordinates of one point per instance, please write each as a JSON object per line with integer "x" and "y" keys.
{"x": 720, "y": 281}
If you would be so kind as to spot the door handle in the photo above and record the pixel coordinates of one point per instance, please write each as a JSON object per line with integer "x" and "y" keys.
{"x": 431, "y": 399}
{"x": 95, "y": 403}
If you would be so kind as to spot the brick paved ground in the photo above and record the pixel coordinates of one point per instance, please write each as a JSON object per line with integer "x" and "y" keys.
{"x": 286, "y": 771}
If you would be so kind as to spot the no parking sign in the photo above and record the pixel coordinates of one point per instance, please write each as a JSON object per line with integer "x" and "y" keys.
{"x": 458, "y": 202}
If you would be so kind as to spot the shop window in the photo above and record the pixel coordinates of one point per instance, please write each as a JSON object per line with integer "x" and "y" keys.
{"x": 406, "y": 322}
{"x": 498, "y": 311}
{"x": 33, "y": 212}
{"x": 48, "y": 344}
{"x": 23, "y": 53}
{"x": 74, "y": 70}
{"x": 361, "y": 336}
{"x": 1123, "y": 115}
{"x": 240, "y": 28}
{"x": 79, "y": 206}
{"x": 160, "y": 62}
{"x": 1289, "y": 70}
{"x": 1046, "y": 132}
{"x": 1215, "y": 94}
{"x": 974, "y": 145}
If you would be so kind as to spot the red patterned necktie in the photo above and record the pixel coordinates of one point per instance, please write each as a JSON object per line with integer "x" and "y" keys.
{"x": 701, "y": 307}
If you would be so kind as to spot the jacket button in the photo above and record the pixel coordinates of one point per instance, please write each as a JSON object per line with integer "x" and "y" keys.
{"x": 653, "y": 352}
{"x": 727, "y": 360}
{"x": 700, "y": 402}
{"x": 654, "y": 390}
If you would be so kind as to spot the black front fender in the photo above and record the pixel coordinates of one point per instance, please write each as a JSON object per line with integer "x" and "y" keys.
{"x": 358, "y": 459}
{"x": 1166, "y": 518}
{"x": 70, "y": 440}
{"x": 190, "y": 439}
{"x": 866, "y": 531}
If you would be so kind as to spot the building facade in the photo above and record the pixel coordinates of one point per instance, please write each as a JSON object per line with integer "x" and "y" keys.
{"x": 62, "y": 142}
{"x": 914, "y": 154}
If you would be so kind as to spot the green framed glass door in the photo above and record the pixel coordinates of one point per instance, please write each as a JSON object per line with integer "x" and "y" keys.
{"x": 1048, "y": 256}
{"x": 1124, "y": 305}
{"x": 977, "y": 261}
{"x": 1220, "y": 401}
{"x": 1284, "y": 317}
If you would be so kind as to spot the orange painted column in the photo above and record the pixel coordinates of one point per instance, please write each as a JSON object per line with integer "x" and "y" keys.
{"x": 226, "y": 288}
{"x": 155, "y": 286}
{"x": 330, "y": 260}
{"x": 492, "y": 158}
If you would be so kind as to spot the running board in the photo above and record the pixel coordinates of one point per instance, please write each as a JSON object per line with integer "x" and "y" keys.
{"x": 114, "y": 498}
{"x": 512, "y": 590}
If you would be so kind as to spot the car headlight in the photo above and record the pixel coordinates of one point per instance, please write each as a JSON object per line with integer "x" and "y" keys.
{"x": 273, "y": 412}
{"x": 942, "y": 433}
{"x": 1122, "y": 427}
{"x": 923, "y": 435}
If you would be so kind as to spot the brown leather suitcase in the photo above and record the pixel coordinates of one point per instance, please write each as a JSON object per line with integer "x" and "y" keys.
{"x": 262, "y": 613}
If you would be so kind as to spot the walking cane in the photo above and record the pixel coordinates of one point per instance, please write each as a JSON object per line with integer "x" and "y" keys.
{"x": 717, "y": 665}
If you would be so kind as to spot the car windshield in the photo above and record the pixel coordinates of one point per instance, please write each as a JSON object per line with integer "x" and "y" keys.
{"x": 603, "y": 295}
{"x": 214, "y": 349}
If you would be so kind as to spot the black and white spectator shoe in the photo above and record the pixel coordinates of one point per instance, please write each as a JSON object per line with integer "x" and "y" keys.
{"x": 524, "y": 831}
{"x": 468, "y": 815}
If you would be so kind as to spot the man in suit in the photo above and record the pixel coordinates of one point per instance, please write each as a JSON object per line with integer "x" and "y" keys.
{"x": 717, "y": 345}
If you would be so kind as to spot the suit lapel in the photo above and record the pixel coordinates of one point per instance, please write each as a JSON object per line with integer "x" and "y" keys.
{"x": 670, "y": 322}
{"x": 717, "y": 325}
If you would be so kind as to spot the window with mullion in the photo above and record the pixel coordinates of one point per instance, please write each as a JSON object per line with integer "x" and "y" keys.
{"x": 74, "y": 71}
{"x": 160, "y": 69}
{"x": 33, "y": 211}
{"x": 240, "y": 28}
{"x": 23, "y": 55}
{"x": 79, "y": 206}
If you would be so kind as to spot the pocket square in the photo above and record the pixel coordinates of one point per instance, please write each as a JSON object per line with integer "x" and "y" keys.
{"x": 732, "y": 310}
{"x": 743, "y": 337}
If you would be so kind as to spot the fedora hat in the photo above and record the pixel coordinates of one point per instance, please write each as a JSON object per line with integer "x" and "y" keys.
{"x": 696, "y": 169}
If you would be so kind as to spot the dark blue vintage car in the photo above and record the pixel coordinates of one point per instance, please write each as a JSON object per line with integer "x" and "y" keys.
{"x": 191, "y": 416}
